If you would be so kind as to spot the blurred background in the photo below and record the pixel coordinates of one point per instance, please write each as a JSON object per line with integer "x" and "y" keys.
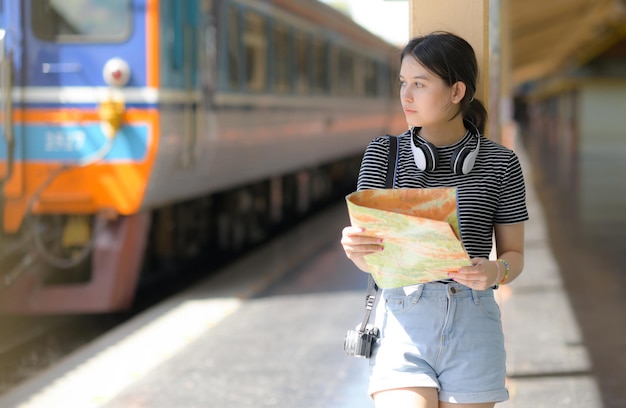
{"x": 147, "y": 143}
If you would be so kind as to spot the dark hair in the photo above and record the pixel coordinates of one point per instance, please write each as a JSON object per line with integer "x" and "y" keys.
{"x": 452, "y": 59}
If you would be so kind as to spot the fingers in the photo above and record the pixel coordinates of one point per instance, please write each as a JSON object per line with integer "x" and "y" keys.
{"x": 356, "y": 242}
{"x": 480, "y": 275}
{"x": 358, "y": 236}
{"x": 477, "y": 267}
{"x": 478, "y": 282}
{"x": 350, "y": 230}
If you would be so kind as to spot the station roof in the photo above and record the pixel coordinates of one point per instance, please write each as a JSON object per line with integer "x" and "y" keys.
{"x": 551, "y": 36}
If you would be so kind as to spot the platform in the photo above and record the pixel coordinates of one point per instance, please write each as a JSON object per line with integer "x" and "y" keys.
{"x": 268, "y": 331}
{"x": 547, "y": 362}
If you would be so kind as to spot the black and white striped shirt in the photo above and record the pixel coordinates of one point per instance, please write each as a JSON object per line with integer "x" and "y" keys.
{"x": 492, "y": 193}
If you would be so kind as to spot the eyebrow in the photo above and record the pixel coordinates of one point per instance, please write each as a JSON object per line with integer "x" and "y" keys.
{"x": 415, "y": 77}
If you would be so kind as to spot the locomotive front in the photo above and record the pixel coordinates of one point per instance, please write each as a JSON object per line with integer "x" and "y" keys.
{"x": 78, "y": 146}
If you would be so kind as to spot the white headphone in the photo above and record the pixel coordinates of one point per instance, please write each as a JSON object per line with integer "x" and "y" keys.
{"x": 462, "y": 161}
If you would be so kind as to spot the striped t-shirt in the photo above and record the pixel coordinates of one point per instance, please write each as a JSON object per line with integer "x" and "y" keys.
{"x": 492, "y": 193}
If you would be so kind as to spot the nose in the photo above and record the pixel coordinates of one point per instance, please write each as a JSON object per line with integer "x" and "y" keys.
{"x": 405, "y": 95}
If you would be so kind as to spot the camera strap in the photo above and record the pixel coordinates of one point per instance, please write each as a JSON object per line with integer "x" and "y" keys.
{"x": 392, "y": 162}
{"x": 390, "y": 182}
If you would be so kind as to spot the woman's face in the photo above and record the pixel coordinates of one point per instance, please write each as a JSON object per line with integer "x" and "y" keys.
{"x": 426, "y": 99}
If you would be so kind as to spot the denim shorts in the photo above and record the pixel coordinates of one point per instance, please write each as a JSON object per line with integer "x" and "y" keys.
{"x": 441, "y": 335}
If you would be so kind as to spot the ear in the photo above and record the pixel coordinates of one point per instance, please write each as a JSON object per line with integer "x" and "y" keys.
{"x": 458, "y": 91}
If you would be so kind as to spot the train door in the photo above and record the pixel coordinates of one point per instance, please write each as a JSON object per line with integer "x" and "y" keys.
{"x": 180, "y": 70}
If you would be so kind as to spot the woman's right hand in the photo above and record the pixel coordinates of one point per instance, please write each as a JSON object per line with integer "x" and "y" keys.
{"x": 357, "y": 243}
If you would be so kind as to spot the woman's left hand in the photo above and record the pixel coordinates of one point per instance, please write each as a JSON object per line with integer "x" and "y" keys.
{"x": 482, "y": 275}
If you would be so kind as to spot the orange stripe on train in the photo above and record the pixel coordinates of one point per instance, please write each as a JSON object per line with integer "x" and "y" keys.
{"x": 117, "y": 187}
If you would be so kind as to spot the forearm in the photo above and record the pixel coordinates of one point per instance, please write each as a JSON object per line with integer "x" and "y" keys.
{"x": 360, "y": 263}
{"x": 515, "y": 261}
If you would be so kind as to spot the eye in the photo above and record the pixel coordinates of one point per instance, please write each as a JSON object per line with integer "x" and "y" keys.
{"x": 419, "y": 84}
{"x": 401, "y": 83}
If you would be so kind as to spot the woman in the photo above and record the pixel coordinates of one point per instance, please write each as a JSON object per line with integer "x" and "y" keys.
{"x": 441, "y": 343}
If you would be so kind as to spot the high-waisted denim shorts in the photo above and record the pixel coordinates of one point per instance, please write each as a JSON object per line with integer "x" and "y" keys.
{"x": 442, "y": 335}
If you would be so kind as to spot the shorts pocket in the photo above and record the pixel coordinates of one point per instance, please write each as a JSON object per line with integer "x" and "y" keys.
{"x": 395, "y": 304}
{"x": 400, "y": 300}
{"x": 490, "y": 308}
{"x": 400, "y": 304}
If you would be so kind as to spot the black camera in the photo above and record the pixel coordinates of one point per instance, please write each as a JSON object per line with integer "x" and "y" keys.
{"x": 358, "y": 343}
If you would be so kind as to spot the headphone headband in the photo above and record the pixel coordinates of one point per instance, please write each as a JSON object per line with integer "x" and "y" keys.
{"x": 462, "y": 161}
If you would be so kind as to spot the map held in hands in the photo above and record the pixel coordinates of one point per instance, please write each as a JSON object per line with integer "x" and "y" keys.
{"x": 420, "y": 233}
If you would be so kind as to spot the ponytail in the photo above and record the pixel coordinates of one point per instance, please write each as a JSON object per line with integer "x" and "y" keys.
{"x": 476, "y": 113}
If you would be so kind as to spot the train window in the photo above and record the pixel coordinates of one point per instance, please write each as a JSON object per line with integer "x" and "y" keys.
{"x": 255, "y": 43}
{"x": 302, "y": 63}
{"x": 384, "y": 80}
{"x": 389, "y": 80}
{"x": 333, "y": 69}
{"x": 319, "y": 67}
{"x": 370, "y": 78}
{"x": 346, "y": 73}
{"x": 175, "y": 37}
{"x": 233, "y": 48}
{"x": 281, "y": 59}
{"x": 358, "y": 77}
{"x": 81, "y": 20}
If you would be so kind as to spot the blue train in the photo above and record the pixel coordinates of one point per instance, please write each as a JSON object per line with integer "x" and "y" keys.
{"x": 140, "y": 131}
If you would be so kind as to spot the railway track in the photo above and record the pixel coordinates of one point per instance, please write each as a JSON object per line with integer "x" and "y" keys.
{"x": 29, "y": 345}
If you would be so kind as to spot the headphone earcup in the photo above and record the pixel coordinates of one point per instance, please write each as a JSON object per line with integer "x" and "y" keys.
{"x": 462, "y": 160}
{"x": 458, "y": 158}
{"x": 426, "y": 156}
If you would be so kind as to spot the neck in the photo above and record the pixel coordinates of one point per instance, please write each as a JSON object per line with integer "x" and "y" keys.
{"x": 444, "y": 135}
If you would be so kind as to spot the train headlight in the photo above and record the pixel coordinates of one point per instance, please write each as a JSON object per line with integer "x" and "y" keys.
{"x": 116, "y": 72}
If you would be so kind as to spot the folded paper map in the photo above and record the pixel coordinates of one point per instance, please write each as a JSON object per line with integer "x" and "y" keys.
{"x": 420, "y": 230}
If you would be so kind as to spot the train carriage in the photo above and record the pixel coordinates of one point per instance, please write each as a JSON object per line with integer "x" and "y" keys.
{"x": 140, "y": 131}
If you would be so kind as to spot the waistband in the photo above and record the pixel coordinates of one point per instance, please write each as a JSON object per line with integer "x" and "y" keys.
{"x": 439, "y": 289}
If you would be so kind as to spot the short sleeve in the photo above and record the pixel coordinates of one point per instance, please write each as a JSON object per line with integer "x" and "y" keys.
{"x": 373, "y": 171}
{"x": 512, "y": 203}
